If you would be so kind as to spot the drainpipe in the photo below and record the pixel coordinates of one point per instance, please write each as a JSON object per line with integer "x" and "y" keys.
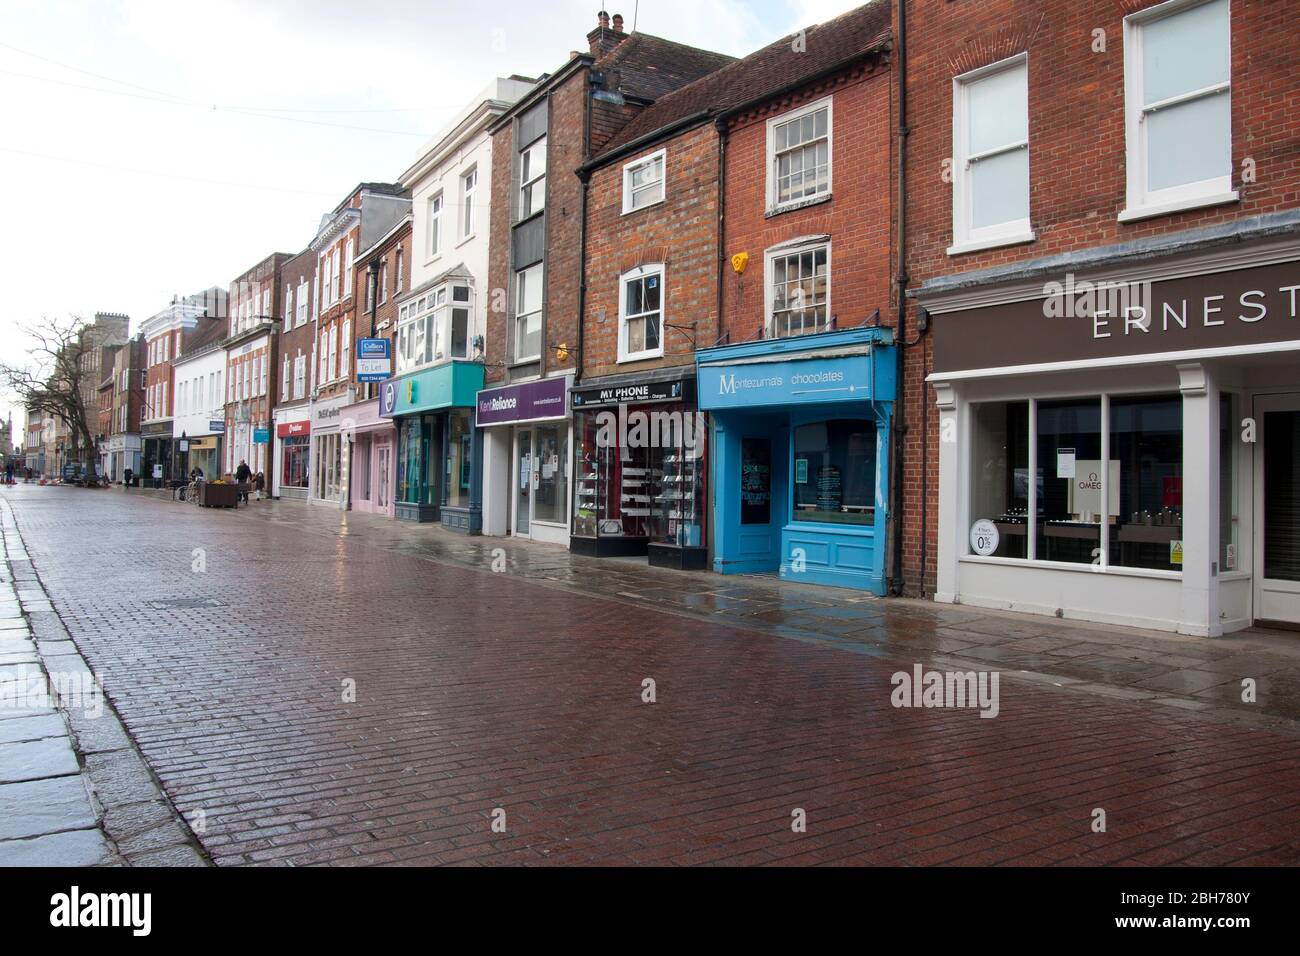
{"x": 584, "y": 177}
{"x": 900, "y": 412}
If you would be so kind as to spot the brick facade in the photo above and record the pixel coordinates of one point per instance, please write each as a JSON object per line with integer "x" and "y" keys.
{"x": 297, "y": 333}
{"x": 1077, "y": 161}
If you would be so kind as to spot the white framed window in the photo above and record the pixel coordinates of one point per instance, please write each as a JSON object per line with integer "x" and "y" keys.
{"x": 333, "y": 364}
{"x": 397, "y": 279}
{"x": 532, "y": 179}
{"x": 288, "y": 307}
{"x": 468, "y": 184}
{"x": 643, "y": 182}
{"x": 335, "y": 282}
{"x": 641, "y": 313}
{"x": 347, "y": 268}
{"x": 383, "y": 281}
{"x": 528, "y": 314}
{"x": 1178, "y": 107}
{"x": 990, "y": 136}
{"x": 323, "y": 280}
{"x": 799, "y": 156}
{"x": 266, "y": 303}
{"x": 345, "y": 366}
{"x": 798, "y": 287}
{"x": 284, "y": 380}
{"x": 435, "y": 225}
{"x": 323, "y": 353}
{"x": 264, "y": 361}
{"x": 301, "y": 318}
{"x": 300, "y": 376}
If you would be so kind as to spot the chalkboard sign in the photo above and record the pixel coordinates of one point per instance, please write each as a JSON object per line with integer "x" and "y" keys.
{"x": 756, "y": 481}
{"x": 830, "y": 489}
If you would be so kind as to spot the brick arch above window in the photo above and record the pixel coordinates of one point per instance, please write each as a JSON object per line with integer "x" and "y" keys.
{"x": 643, "y": 256}
{"x": 984, "y": 49}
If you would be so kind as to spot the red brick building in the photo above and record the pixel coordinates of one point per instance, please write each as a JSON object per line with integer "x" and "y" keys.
{"x": 252, "y": 354}
{"x": 369, "y": 211}
{"x": 127, "y": 402}
{"x": 1103, "y": 247}
{"x": 292, "y": 411}
{"x": 383, "y": 273}
{"x": 536, "y": 268}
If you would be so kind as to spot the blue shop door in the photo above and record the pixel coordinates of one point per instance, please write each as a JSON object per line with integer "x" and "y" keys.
{"x": 751, "y": 481}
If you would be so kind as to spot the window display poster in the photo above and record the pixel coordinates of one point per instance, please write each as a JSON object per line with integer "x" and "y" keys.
{"x": 1065, "y": 463}
{"x": 801, "y": 471}
{"x": 830, "y": 488}
{"x": 756, "y": 481}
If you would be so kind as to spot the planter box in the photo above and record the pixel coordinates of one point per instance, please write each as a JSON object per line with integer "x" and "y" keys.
{"x": 218, "y": 496}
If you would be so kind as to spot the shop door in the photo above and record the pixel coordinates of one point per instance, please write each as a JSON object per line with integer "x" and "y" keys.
{"x": 381, "y": 477}
{"x": 524, "y": 481}
{"x": 1277, "y": 510}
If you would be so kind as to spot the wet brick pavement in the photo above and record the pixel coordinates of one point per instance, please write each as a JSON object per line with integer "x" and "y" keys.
{"x": 522, "y": 691}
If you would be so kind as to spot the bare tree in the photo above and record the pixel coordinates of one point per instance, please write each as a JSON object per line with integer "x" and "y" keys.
{"x": 54, "y": 381}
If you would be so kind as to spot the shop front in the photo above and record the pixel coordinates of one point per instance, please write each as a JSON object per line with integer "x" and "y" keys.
{"x": 1123, "y": 446}
{"x": 202, "y": 452}
{"x": 157, "y": 453}
{"x": 524, "y": 431}
{"x": 800, "y": 455}
{"x": 640, "y": 469}
{"x": 293, "y": 452}
{"x": 123, "y": 455}
{"x": 438, "y": 457}
{"x": 374, "y": 461}
{"x": 328, "y": 458}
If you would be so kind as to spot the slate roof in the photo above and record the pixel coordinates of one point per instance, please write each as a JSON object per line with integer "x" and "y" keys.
{"x": 765, "y": 72}
{"x": 650, "y": 66}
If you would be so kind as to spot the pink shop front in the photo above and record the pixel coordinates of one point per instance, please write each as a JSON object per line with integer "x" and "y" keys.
{"x": 373, "y": 473}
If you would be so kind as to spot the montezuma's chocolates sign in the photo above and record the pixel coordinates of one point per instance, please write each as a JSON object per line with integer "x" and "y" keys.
{"x": 1097, "y": 319}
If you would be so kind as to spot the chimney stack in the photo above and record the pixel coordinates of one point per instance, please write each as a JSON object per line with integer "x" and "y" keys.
{"x": 602, "y": 40}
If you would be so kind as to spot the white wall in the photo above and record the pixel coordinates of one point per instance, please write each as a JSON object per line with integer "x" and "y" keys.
{"x": 192, "y": 418}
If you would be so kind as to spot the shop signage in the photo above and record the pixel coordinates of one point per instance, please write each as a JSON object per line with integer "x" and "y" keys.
{"x": 183, "y": 445}
{"x": 530, "y": 401}
{"x": 984, "y": 537}
{"x": 450, "y": 385}
{"x": 289, "y": 429}
{"x": 634, "y": 394}
{"x": 261, "y": 436}
{"x": 1076, "y": 320}
{"x": 374, "y": 359}
{"x": 217, "y": 426}
{"x": 842, "y": 378}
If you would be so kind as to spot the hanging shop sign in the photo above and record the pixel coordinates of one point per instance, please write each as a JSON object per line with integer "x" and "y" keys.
{"x": 261, "y": 436}
{"x": 532, "y": 401}
{"x": 217, "y": 426}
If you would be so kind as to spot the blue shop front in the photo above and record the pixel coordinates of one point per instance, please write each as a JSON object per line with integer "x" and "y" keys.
{"x": 800, "y": 433}
{"x": 439, "y": 452}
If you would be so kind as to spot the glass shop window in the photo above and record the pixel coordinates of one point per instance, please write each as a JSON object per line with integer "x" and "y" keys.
{"x": 999, "y": 484}
{"x": 1069, "y": 502}
{"x": 1146, "y": 482}
{"x": 1230, "y": 558}
{"x": 459, "y": 458}
{"x": 835, "y": 472}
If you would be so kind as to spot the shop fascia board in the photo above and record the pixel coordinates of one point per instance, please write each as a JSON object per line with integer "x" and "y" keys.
{"x": 1261, "y": 241}
{"x": 792, "y": 348}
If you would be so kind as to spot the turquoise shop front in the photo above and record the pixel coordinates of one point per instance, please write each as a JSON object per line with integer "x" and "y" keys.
{"x": 439, "y": 452}
{"x": 800, "y": 432}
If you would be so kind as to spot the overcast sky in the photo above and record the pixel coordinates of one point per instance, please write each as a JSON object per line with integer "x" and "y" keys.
{"x": 158, "y": 147}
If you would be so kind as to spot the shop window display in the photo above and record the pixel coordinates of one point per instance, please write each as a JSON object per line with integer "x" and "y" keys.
{"x": 1000, "y": 473}
{"x": 294, "y": 457}
{"x": 1146, "y": 452}
{"x": 835, "y": 472}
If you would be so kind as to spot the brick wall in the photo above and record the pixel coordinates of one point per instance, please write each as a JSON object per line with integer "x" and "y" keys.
{"x": 1076, "y": 156}
{"x": 299, "y": 339}
{"x": 565, "y": 152}
{"x": 381, "y": 321}
{"x": 857, "y": 217}
{"x": 681, "y": 232}
{"x": 498, "y": 308}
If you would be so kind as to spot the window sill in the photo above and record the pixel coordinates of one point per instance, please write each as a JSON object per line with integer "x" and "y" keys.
{"x": 627, "y": 211}
{"x": 799, "y": 204}
{"x": 1070, "y": 566}
{"x": 1138, "y": 213}
{"x": 640, "y": 357}
{"x": 964, "y": 246}
{"x": 833, "y": 527}
{"x": 470, "y": 238}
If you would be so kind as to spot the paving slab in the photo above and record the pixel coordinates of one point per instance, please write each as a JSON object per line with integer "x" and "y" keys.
{"x": 34, "y": 759}
{"x": 35, "y": 807}
{"x": 73, "y": 848}
{"x": 37, "y": 727}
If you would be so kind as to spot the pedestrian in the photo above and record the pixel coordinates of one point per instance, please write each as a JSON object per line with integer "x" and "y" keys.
{"x": 127, "y": 475}
{"x": 242, "y": 474}
{"x": 260, "y": 484}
